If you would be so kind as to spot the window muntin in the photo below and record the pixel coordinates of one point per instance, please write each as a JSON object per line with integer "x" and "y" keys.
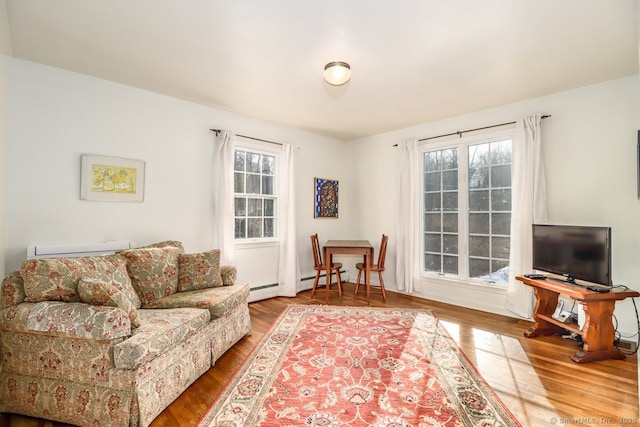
{"x": 489, "y": 218}
{"x": 255, "y": 200}
{"x": 441, "y": 211}
{"x": 467, "y": 212}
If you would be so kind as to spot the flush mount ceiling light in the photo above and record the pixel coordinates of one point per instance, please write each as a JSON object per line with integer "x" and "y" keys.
{"x": 337, "y": 73}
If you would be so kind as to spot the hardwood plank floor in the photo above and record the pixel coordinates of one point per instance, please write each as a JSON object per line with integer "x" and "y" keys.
{"x": 535, "y": 377}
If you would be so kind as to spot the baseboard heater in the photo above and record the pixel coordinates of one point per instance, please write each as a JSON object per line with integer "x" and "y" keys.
{"x": 78, "y": 250}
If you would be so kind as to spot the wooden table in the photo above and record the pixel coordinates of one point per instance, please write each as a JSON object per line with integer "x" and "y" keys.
{"x": 597, "y": 332}
{"x": 348, "y": 247}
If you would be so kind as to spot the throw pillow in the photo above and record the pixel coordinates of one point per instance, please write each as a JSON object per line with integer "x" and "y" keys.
{"x": 199, "y": 271}
{"x": 56, "y": 279}
{"x": 96, "y": 292}
{"x": 153, "y": 271}
{"x": 165, "y": 244}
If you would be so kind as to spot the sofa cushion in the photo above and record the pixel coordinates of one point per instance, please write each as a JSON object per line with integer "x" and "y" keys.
{"x": 199, "y": 271}
{"x": 78, "y": 320}
{"x": 159, "y": 331}
{"x": 97, "y": 292}
{"x": 153, "y": 271}
{"x": 217, "y": 300}
{"x": 56, "y": 279}
{"x": 12, "y": 290}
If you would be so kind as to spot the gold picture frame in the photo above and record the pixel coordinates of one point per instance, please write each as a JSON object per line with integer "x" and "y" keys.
{"x": 111, "y": 179}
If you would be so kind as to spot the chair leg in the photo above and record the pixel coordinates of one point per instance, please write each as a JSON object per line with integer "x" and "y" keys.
{"x": 339, "y": 281}
{"x": 358, "y": 282}
{"x": 315, "y": 283}
{"x": 384, "y": 295}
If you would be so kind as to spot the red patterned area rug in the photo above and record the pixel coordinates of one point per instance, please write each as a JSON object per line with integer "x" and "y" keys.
{"x": 354, "y": 366}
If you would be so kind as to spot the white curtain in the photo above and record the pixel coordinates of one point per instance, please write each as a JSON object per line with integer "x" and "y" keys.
{"x": 529, "y": 206}
{"x": 289, "y": 269}
{"x": 223, "y": 195}
{"x": 409, "y": 217}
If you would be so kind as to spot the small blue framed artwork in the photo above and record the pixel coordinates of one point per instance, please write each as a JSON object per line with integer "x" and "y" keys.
{"x": 326, "y": 198}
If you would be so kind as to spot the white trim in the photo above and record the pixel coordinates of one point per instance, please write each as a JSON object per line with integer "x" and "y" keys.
{"x": 490, "y": 299}
{"x": 268, "y": 149}
{"x": 256, "y": 243}
{"x": 262, "y": 294}
{"x": 462, "y": 144}
{"x": 77, "y": 250}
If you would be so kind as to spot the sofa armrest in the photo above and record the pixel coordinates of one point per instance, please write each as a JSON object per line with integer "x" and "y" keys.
{"x": 229, "y": 275}
{"x": 12, "y": 290}
{"x": 64, "y": 319}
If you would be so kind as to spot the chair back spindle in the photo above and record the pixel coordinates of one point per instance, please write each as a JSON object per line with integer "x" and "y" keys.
{"x": 382, "y": 254}
{"x": 317, "y": 256}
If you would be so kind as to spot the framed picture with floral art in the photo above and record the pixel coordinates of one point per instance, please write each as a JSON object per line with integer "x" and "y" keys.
{"x": 111, "y": 179}
{"x": 326, "y": 198}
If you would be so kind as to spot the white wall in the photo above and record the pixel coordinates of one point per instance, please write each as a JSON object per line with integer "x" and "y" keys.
{"x": 590, "y": 153}
{"x": 590, "y": 149}
{"x": 5, "y": 91}
{"x": 59, "y": 115}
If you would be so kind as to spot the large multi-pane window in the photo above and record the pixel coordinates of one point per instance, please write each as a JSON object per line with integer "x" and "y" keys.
{"x": 255, "y": 201}
{"x": 441, "y": 211}
{"x": 467, "y": 210}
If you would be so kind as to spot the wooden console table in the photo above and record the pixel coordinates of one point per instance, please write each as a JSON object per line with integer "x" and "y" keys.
{"x": 597, "y": 332}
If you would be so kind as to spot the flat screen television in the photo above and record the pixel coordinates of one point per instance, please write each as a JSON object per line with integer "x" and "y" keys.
{"x": 574, "y": 252}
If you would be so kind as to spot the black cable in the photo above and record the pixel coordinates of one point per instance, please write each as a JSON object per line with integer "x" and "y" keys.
{"x": 619, "y": 336}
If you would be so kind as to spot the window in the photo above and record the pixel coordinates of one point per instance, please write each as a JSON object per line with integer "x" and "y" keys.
{"x": 255, "y": 201}
{"x": 467, "y": 209}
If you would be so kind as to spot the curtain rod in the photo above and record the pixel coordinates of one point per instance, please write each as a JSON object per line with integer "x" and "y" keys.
{"x": 217, "y": 131}
{"x": 460, "y": 132}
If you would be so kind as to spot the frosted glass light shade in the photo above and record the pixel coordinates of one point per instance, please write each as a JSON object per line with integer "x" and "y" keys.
{"x": 337, "y": 73}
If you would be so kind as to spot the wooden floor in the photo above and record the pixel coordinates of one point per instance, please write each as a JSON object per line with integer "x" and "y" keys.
{"x": 534, "y": 377}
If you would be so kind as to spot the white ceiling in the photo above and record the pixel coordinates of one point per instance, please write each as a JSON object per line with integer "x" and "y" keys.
{"x": 413, "y": 61}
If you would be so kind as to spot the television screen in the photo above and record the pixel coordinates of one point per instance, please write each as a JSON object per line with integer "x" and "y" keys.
{"x": 575, "y": 252}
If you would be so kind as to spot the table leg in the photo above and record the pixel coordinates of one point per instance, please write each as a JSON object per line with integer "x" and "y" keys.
{"x": 367, "y": 273}
{"x": 546, "y": 302}
{"x": 328, "y": 260}
{"x": 598, "y": 333}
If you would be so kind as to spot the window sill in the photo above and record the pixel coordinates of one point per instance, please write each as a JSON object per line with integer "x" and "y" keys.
{"x": 256, "y": 243}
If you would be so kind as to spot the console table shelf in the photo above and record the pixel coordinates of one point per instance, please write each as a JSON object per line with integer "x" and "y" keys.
{"x": 597, "y": 332}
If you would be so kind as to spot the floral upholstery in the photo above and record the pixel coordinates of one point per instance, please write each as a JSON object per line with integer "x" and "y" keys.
{"x": 56, "y": 279}
{"x": 86, "y": 389}
{"x": 12, "y": 290}
{"x": 229, "y": 275}
{"x": 78, "y": 320}
{"x": 153, "y": 271}
{"x": 160, "y": 330}
{"x": 82, "y": 363}
{"x": 15, "y": 318}
{"x": 199, "y": 271}
{"x": 97, "y": 292}
{"x": 166, "y": 244}
{"x": 70, "y": 401}
{"x": 216, "y": 300}
{"x": 225, "y": 330}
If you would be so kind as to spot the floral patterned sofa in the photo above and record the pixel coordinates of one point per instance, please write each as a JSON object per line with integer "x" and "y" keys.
{"x": 112, "y": 340}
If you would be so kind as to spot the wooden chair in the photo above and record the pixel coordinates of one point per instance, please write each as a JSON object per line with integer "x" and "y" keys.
{"x": 379, "y": 267}
{"x": 321, "y": 267}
